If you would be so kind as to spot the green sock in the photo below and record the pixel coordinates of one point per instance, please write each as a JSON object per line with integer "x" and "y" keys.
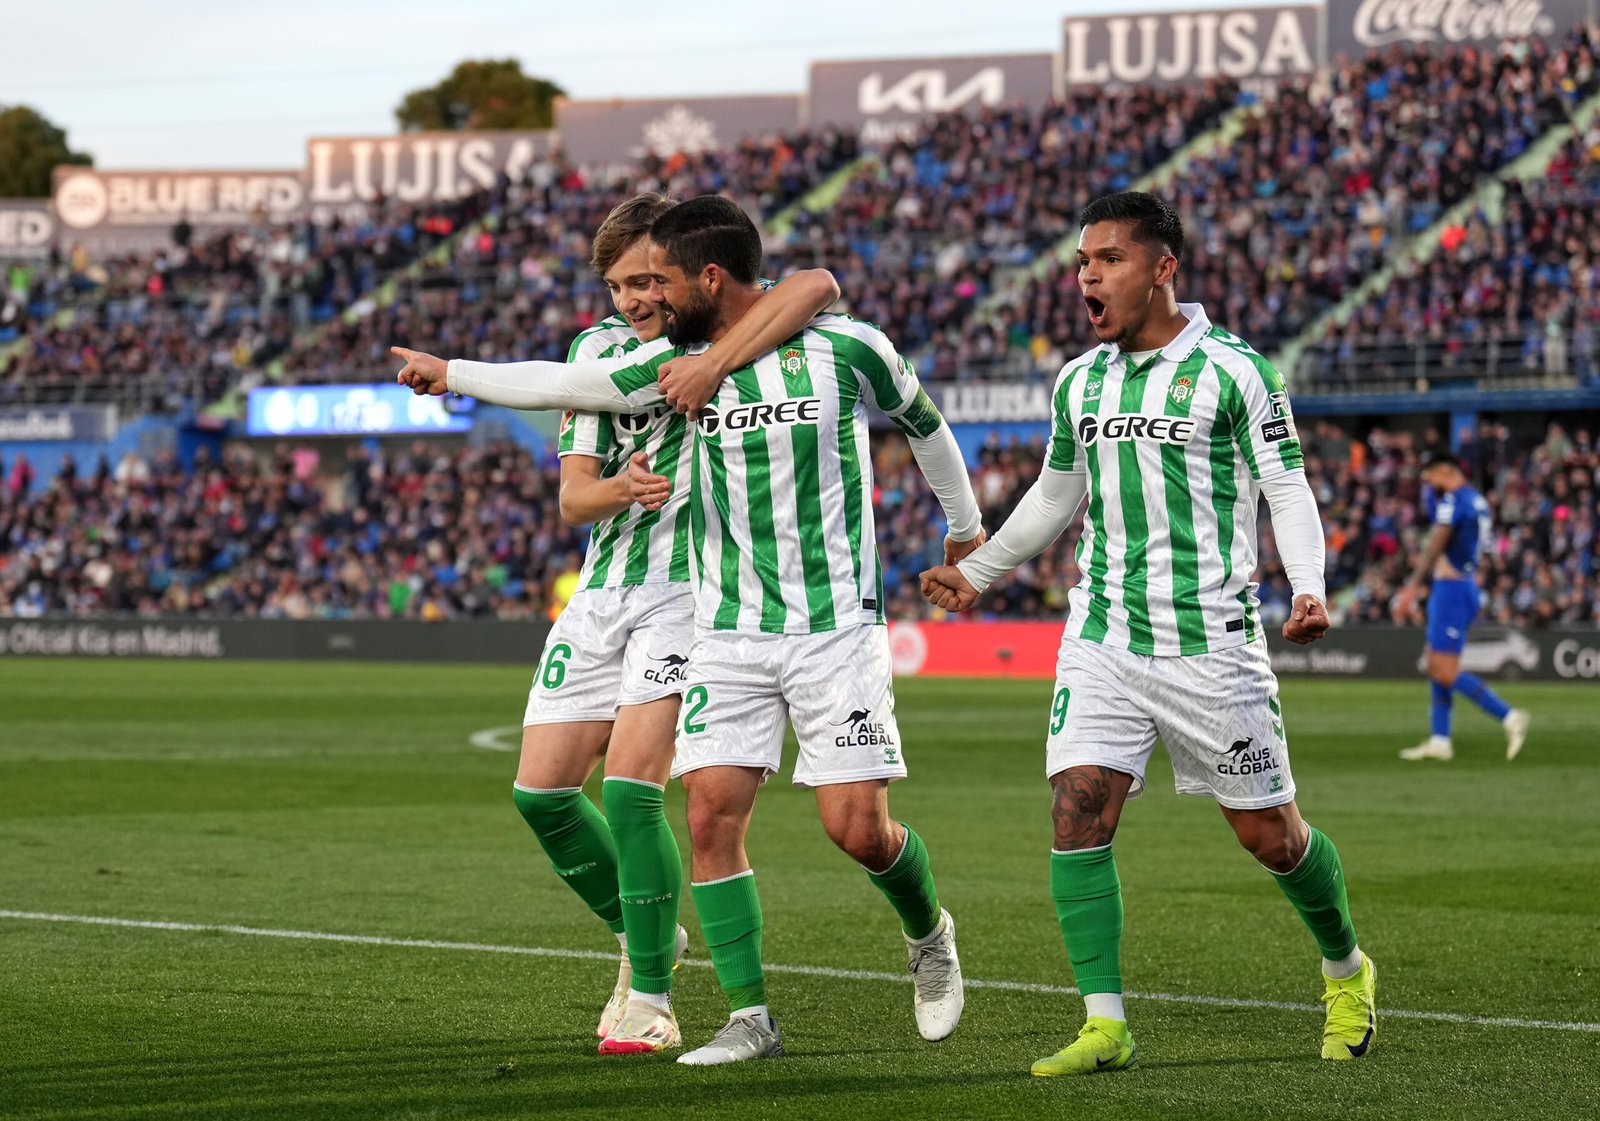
{"x": 908, "y": 883}
{"x": 1088, "y": 898}
{"x": 1316, "y": 888}
{"x": 649, "y": 878}
{"x": 578, "y": 842}
{"x": 730, "y": 919}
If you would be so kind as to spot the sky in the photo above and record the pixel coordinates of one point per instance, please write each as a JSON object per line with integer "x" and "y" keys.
{"x": 183, "y": 84}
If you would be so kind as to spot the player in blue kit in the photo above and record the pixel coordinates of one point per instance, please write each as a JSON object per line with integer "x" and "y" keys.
{"x": 1461, "y": 530}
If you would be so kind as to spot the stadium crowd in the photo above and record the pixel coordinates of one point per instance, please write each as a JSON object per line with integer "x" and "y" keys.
{"x": 1516, "y": 291}
{"x": 1313, "y": 194}
{"x": 428, "y": 533}
{"x": 1315, "y": 190}
{"x": 308, "y": 301}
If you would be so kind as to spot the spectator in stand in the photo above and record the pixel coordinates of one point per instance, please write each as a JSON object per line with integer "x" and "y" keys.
{"x": 428, "y": 533}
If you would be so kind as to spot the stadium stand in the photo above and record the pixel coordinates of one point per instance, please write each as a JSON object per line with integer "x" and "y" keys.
{"x": 1293, "y": 201}
{"x": 428, "y": 533}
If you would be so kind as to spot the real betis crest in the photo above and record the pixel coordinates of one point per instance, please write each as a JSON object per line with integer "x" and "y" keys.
{"x": 1182, "y": 388}
{"x": 792, "y": 361}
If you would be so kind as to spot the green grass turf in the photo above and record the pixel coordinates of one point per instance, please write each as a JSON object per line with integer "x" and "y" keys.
{"x": 346, "y": 798}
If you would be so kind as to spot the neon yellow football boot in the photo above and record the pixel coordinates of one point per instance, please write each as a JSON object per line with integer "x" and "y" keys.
{"x": 1352, "y": 1025}
{"x": 1102, "y": 1045}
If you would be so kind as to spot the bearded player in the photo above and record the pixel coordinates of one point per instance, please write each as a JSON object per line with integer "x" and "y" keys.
{"x": 1172, "y": 427}
{"x": 609, "y": 679}
{"x": 788, "y": 595}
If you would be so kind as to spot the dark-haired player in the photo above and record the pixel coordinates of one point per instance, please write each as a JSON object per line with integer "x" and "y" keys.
{"x": 1460, "y": 519}
{"x": 1172, "y": 427}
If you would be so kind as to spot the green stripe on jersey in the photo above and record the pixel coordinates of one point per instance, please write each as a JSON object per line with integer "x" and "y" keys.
{"x": 1095, "y": 624}
{"x": 850, "y": 474}
{"x": 758, "y": 494}
{"x": 1135, "y": 522}
{"x": 808, "y": 504}
{"x": 1224, "y": 481}
{"x": 1185, "y": 553}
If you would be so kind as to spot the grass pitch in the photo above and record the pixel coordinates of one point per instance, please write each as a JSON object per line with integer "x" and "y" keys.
{"x": 349, "y": 800}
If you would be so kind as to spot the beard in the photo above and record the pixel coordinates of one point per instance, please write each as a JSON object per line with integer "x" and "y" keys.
{"x": 693, "y": 321}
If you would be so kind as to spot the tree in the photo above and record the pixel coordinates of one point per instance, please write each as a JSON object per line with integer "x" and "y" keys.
{"x": 482, "y": 93}
{"x": 29, "y": 147}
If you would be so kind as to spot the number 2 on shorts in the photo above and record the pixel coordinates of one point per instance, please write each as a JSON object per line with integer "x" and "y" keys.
{"x": 694, "y": 703}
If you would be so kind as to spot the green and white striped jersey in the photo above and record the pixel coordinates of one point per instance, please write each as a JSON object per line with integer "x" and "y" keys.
{"x": 636, "y": 546}
{"x": 1173, "y": 449}
{"x": 783, "y": 531}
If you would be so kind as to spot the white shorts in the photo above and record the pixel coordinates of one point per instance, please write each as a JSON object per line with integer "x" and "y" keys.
{"x": 1217, "y": 713}
{"x": 612, "y": 647}
{"x": 835, "y": 686}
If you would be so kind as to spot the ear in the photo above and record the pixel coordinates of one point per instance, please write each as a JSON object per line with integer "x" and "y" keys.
{"x": 712, "y": 278}
{"x": 1166, "y": 269}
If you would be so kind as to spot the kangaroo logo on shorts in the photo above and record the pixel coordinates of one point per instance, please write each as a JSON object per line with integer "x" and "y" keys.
{"x": 671, "y": 671}
{"x": 862, "y": 731}
{"x": 1243, "y": 758}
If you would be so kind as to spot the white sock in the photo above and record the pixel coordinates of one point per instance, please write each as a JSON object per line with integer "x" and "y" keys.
{"x": 755, "y": 1011}
{"x": 1105, "y": 1005}
{"x": 1438, "y": 741}
{"x": 1346, "y": 967}
{"x": 661, "y": 1002}
{"x": 622, "y": 940}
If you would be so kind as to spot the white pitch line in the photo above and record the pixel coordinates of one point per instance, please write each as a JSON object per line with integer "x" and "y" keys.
{"x": 801, "y": 970}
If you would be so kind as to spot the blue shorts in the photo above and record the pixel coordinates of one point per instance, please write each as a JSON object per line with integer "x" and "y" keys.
{"x": 1452, "y": 605}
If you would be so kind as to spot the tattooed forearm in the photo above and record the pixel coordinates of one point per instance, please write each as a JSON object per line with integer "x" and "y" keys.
{"x": 1088, "y": 802}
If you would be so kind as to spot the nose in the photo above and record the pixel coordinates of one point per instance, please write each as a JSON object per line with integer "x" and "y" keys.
{"x": 656, "y": 293}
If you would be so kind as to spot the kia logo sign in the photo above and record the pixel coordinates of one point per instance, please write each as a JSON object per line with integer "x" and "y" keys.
{"x": 886, "y": 99}
{"x": 928, "y": 91}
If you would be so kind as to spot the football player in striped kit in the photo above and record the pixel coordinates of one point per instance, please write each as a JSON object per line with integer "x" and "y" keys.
{"x": 1172, "y": 428}
{"x": 788, "y": 592}
{"x": 609, "y": 679}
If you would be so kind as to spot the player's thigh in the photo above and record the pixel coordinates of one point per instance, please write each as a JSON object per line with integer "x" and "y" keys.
{"x": 642, "y": 739}
{"x": 840, "y": 689}
{"x": 1452, "y": 606}
{"x": 733, "y": 712}
{"x": 1221, "y": 720}
{"x": 580, "y": 673}
{"x": 661, "y": 633}
{"x": 1098, "y": 717}
{"x": 561, "y": 756}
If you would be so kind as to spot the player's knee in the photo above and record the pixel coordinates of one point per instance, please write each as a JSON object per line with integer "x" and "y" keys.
{"x": 1272, "y": 843}
{"x": 869, "y": 843}
{"x": 1443, "y": 675}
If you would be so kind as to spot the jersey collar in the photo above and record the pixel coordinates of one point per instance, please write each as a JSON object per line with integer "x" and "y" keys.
{"x": 1179, "y": 348}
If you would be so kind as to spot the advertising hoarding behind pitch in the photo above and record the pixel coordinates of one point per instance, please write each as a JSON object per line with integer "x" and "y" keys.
{"x": 885, "y": 99}
{"x": 1170, "y": 48}
{"x": 617, "y": 130}
{"x": 371, "y": 409}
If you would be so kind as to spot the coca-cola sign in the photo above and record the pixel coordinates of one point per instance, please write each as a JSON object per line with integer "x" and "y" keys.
{"x": 1167, "y": 48}
{"x": 1355, "y": 26}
